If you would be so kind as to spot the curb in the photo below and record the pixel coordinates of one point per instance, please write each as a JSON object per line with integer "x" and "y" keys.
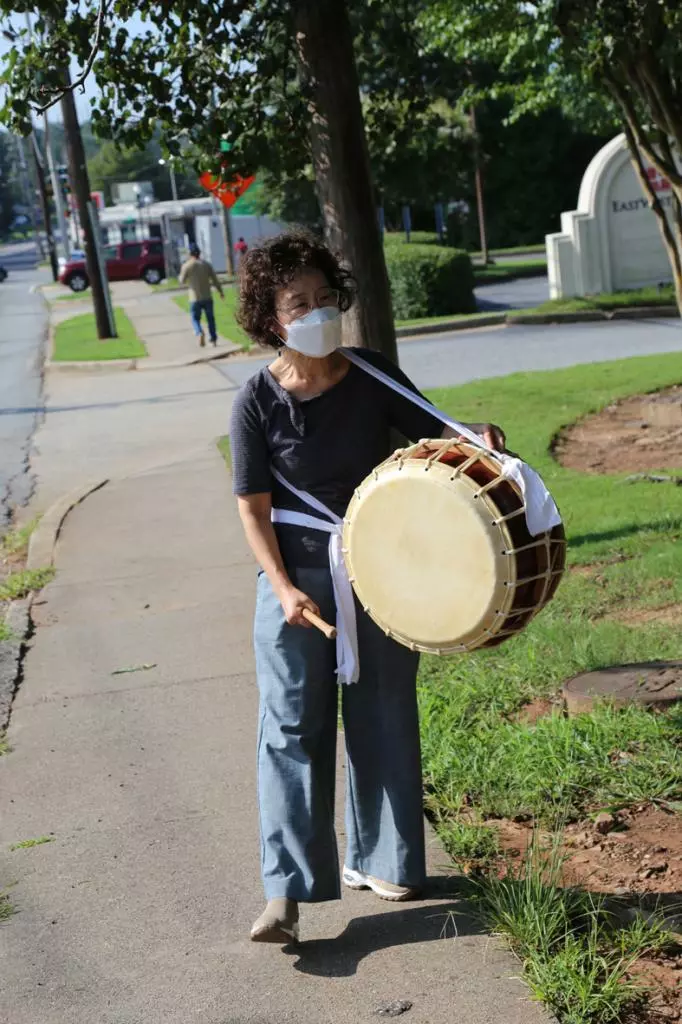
{"x": 490, "y": 320}
{"x": 643, "y": 312}
{"x": 510, "y": 318}
{"x": 581, "y": 316}
{"x": 41, "y": 546}
{"x": 18, "y": 622}
{"x": 143, "y": 363}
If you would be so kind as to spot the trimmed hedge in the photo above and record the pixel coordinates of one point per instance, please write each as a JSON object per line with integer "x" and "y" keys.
{"x": 429, "y": 280}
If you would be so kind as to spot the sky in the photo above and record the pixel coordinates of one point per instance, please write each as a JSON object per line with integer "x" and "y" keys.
{"x": 83, "y": 96}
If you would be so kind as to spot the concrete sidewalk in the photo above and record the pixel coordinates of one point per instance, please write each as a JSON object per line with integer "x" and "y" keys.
{"x": 138, "y": 911}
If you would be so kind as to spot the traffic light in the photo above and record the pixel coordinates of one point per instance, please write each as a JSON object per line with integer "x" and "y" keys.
{"x": 63, "y": 176}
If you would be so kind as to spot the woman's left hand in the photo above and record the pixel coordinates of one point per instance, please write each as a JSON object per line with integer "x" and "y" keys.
{"x": 493, "y": 436}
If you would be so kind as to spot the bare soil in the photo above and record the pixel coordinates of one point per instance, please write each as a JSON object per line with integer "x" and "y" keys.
{"x": 639, "y": 434}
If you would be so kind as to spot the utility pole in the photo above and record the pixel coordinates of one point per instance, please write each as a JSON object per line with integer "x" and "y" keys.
{"x": 80, "y": 186}
{"x": 56, "y": 190}
{"x": 45, "y": 206}
{"x": 29, "y": 195}
{"x": 42, "y": 185}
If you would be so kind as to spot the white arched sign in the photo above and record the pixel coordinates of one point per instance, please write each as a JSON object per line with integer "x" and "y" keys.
{"x": 612, "y": 242}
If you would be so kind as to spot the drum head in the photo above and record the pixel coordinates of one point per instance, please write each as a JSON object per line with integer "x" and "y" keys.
{"x": 425, "y": 556}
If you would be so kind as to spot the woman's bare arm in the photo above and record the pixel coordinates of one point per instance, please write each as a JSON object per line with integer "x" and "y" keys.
{"x": 254, "y": 512}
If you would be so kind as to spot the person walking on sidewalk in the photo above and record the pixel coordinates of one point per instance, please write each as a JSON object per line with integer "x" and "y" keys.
{"x": 200, "y": 275}
{"x": 305, "y": 431}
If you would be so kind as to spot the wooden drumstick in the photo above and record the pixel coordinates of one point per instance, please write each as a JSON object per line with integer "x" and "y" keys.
{"x": 324, "y": 627}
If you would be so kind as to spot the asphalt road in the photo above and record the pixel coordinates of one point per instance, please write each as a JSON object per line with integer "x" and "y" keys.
{"x": 442, "y": 360}
{"x": 520, "y": 294}
{"x": 23, "y": 328}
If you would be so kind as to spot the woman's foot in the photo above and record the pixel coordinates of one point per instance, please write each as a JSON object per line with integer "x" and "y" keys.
{"x": 384, "y": 890}
{"x": 277, "y": 923}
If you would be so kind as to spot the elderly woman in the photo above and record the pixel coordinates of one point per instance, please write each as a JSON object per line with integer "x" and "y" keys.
{"x": 308, "y": 428}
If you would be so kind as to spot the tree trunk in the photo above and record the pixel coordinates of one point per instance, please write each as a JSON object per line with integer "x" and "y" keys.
{"x": 80, "y": 186}
{"x": 672, "y": 240}
{"x": 342, "y": 171}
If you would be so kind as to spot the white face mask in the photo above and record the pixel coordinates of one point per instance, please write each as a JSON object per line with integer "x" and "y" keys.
{"x": 316, "y": 334}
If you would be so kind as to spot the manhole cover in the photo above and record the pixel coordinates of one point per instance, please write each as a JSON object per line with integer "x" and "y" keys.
{"x": 650, "y": 682}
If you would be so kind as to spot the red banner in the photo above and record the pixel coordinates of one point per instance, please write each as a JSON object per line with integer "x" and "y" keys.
{"x": 228, "y": 192}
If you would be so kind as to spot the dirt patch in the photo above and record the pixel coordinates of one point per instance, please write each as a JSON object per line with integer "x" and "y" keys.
{"x": 640, "y": 433}
{"x": 668, "y": 615}
{"x": 538, "y": 708}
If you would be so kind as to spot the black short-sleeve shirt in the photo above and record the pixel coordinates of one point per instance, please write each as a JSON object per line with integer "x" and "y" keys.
{"x": 325, "y": 445}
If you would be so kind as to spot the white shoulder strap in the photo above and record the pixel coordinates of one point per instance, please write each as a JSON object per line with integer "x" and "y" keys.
{"x": 395, "y": 385}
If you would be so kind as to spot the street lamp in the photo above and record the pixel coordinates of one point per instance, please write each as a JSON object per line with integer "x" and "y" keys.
{"x": 174, "y": 190}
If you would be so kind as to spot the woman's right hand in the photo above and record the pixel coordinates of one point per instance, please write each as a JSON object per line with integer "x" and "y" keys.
{"x": 293, "y": 602}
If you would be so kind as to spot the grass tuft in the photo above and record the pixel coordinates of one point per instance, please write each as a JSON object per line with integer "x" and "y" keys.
{"x": 7, "y": 910}
{"x": 15, "y": 542}
{"x": 225, "y": 450}
{"x": 470, "y": 845}
{"x": 564, "y": 937}
{"x": 20, "y": 584}
{"x": 647, "y": 936}
{"x": 27, "y": 844}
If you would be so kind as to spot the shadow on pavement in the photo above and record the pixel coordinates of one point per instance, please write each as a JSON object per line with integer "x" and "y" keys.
{"x": 340, "y": 957}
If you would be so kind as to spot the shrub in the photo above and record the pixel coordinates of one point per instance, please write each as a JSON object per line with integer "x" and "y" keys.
{"x": 429, "y": 280}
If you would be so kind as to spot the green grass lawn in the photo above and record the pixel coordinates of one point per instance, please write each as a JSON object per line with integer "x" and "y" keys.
{"x": 509, "y": 270}
{"x": 74, "y": 297}
{"x": 540, "y": 247}
{"x": 225, "y": 320}
{"x": 664, "y": 296}
{"x": 76, "y": 340}
{"x": 634, "y": 529}
{"x": 608, "y": 301}
{"x": 481, "y": 763}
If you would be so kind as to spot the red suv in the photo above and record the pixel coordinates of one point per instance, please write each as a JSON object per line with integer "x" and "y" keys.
{"x": 127, "y": 261}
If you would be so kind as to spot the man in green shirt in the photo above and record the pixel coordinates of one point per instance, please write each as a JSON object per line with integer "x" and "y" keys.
{"x": 200, "y": 275}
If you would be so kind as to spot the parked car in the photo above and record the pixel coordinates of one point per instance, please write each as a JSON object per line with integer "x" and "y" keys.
{"x": 128, "y": 261}
{"x": 3, "y": 273}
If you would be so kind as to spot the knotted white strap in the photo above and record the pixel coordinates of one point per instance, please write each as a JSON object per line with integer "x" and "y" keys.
{"x": 541, "y": 511}
{"x": 347, "y": 664}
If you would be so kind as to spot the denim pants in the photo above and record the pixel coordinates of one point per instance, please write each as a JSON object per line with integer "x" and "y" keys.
{"x": 297, "y": 752}
{"x": 196, "y": 309}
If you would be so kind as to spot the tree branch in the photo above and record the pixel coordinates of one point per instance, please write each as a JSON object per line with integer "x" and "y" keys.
{"x": 59, "y": 93}
{"x": 664, "y": 100}
{"x": 654, "y": 202}
{"x": 669, "y": 170}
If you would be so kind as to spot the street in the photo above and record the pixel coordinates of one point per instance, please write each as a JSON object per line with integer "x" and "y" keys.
{"x": 443, "y": 360}
{"x": 23, "y": 326}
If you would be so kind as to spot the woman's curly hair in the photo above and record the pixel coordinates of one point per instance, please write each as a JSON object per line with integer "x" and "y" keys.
{"x": 272, "y": 265}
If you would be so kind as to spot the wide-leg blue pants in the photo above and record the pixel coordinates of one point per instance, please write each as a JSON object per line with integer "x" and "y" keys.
{"x": 297, "y": 752}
